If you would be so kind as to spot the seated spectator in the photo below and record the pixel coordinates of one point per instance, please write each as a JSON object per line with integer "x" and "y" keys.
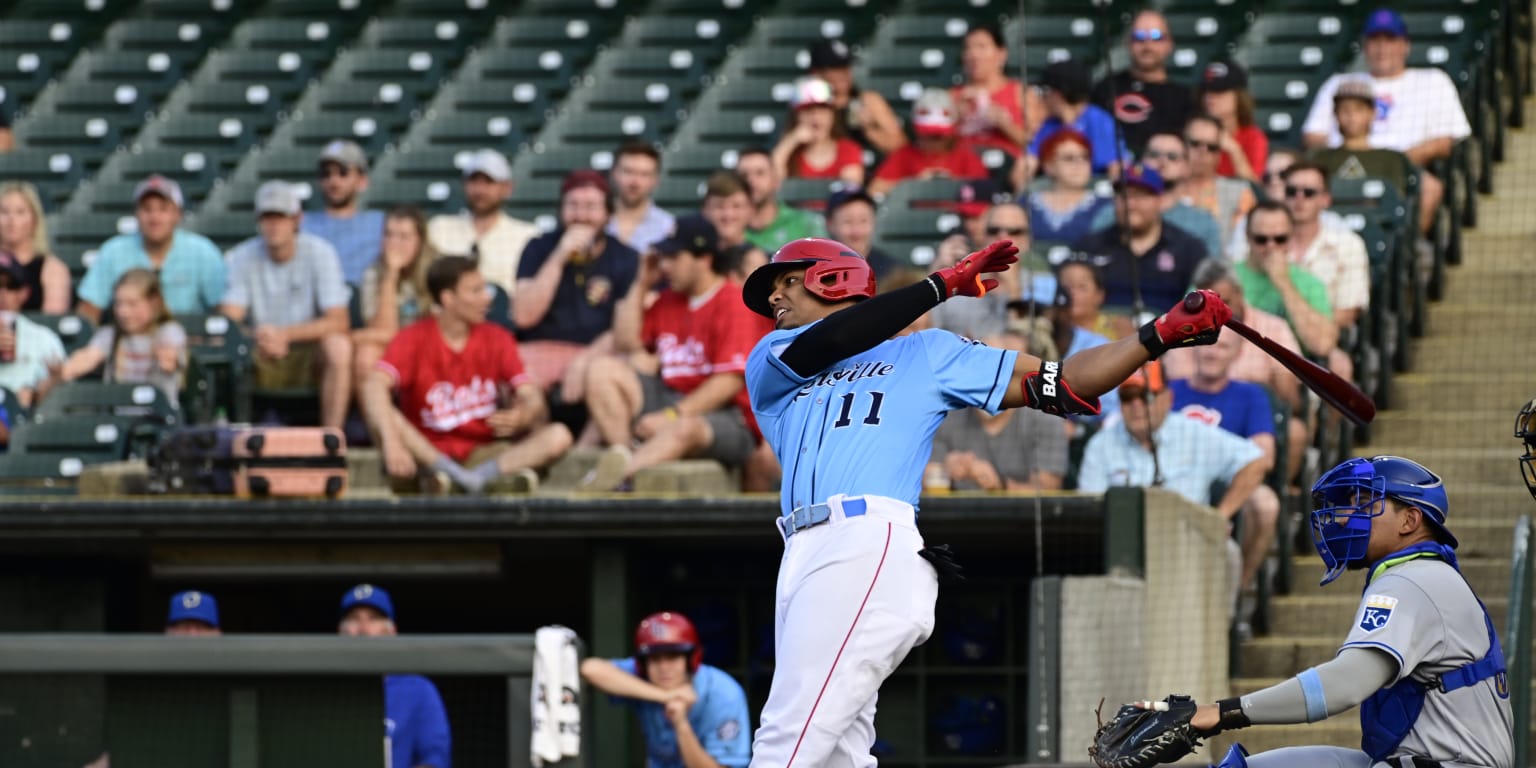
{"x": 727, "y": 205}
{"x": 813, "y": 147}
{"x": 973, "y": 198}
{"x": 394, "y": 292}
{"x": 1227, "y": 200}
{"x": 24, "y": 234}
{"x": 1165, "y": 154}
{"x": 680, "y": 392}
{"x": 1354, "y": 111}
{"x": 1242, "y": 408}
{"x": 354, "y": 232}
{"x": 1017, "y": 449}
{"x": 483, "y": 231}
{"x": 1276, "y": 285}
{"x": 692, "y": 714}
{"x": 1142, "y": 97}
{"x": 1163, "y": 256}
{"x": 773, "y": 222}
{"x": 191, "y": 269}
{"x": 937, "y": 154}
{"x": 988, "y": 315}
{"x": 26, "y": 348}
{"x": 992, "y": 104}
{"x": 286, "y": 285}
{"x": 1327, "y": 249}
{"x": 1066, "y": 85}
{"x": 1084, "y": 286}
{"x": 1145, "y": 448}
{"x": 142, "y": 344}
{"x": 1066, "y": 208}
{"x": 416, "y": 731}
{"x": 569, "y": 283}
{"x": 637, "y": 221}
{"x": 1418, "y": 110}
{"x": 1223, "y": 93}
{"x": 1043, "y": 316}
{"x": 863, "y": 115}
{"x": 468, "y": 414}
{"x": 193, "y": 614}
{"x": 851, "y": 221}
{"x": 1280, "y": 158}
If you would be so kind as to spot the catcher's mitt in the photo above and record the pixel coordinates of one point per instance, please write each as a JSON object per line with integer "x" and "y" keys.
{"x": 1140, "y": 738}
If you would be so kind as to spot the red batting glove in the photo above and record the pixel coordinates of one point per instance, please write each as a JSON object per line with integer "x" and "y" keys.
{"x": 1194, "y": 321}
{"x": 964, "y": 278}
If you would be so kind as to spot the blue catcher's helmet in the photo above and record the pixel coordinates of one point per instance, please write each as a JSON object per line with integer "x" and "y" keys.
{"x": 1347, "y": 497}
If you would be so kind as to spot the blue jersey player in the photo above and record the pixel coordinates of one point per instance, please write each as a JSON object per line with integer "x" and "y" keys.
{"x": 693, "y": 715}
{"x": 850, "y": 412}
{"x": 416, "y": 730}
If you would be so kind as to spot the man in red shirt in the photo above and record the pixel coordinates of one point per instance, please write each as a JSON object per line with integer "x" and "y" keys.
{"x": 467, "y": 411}
{"x": 680, "y": 392}
{"x": 938, "y": 152}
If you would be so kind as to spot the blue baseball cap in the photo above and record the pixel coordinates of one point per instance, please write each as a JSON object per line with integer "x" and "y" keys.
{"x": 193, "y": 605}
{"x": 1140, "y": 175}
{"x": 371, "y": 596}
{"x": 1384, "y": 21}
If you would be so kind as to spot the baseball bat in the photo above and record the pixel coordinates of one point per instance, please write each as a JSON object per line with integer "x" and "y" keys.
{"x": 1331, "y": 387}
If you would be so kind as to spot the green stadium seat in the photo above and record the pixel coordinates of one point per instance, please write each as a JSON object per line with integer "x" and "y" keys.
{"x": 120, "y": 102}
{"x": 223, "y": 354}
{"x": 1280, "y": 58}
{"x": 196, "y": 8}
{"x": 977, "y": 10}
{"x": 796, "y": 28}
{"x": 923, "y": 193}
{"x": 42, "y": 474}
{"x": 783, "y": 61}
{"x": 35, "y": 50}
{"x": 107, "y": 196}
{"x": 390, "y": 104}
{"x": 938, "y": 66}
{"x": 87, "y": 16}
{"x": 153, "y": 72}
{"x": 77, "y": 237}
{"x": 911, "y": 235}
{"x": 900, "y": 90}
{"x": 222, "y": 139}
{"x": 347, "y": 10}
{"x": 77, "y": 399}
{"x": 705, "y": 36}
{"x": 254, "y": 104}
{"x": 1295, "y": 25}
{"x": 226, "y": 228}
{"x": 809, "y": 194}
{"x": 698, "y": 160}
{"x": 239, "y": 196}
{"x": 1281, "y": 127}
{"x": 284, "y": 73}
{"x": 446, "y": 38}
{"x": 418, "y": 72}
{"x": 756, "y": 92}
{"x": 427, "y": 164}
{"x": 185, "y": 39}
{"x": 479, "y": 10}
{"x": 317, "y": 129}
{"x": 191, "y": 170}
{"x": 101, "y": 438}
{"x": 74, "y": 330}
{"x": 850, "y": 9}
{"x": 577, "y": 36}
{"x": 317, "y": 37}
{"x": 292, "y": 164}
{"x": 88, "y": 138}
{"x": 679, "y": 68}
{"x": 555, "y": 162}
{"x": 680, "y": 193}
{"x": 473, "y": 129}
{"x": 737, "y": 127}
{"x": 431, "y": 196}
{"x": 55, "y": 174}
{"x": 524, "y": 103}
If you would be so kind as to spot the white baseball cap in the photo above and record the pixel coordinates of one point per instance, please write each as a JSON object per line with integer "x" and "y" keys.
{"x": 489, "y": 163}
{"x": 278, "y": 197}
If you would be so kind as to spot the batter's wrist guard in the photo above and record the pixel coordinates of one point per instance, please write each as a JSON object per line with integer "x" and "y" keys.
{"x": 1045, "y": 390}
{"x": 1231, "y": 714}
{"x": 1149, "y": 339}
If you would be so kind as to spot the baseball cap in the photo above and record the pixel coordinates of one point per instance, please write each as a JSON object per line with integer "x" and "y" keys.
{"x": 371, "y": 596}
{"x": 488, "y": 163}
{"x": 692, "y": 233}
{"x": 934, "y": 114}
{"x": 193, "y": 605}
{"x": 584, "y": 177}
{"x": 1141, "y": 175}
{"x": 1224, "y": 76}
{"x": 1384, "y": 21}
{"x": 811, "y": 92}
{"x": 278, "y": 197}
{"x": 1069, "y": 78}
{"x": 12, "y": 268}
{"x": 843, "y": 197}
{"x": 974, "y": 197}
{"x": 345, "y": 152}
{"x": 162, "y": 186}
{"x": 1137, "y": 383}
{"x": 1355, "y": 88}
{"x": 830, "y": 54}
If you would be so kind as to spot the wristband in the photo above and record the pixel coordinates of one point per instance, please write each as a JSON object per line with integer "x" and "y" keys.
{"x": 1230, "y": 714}
{"x": 1149, "y": 339}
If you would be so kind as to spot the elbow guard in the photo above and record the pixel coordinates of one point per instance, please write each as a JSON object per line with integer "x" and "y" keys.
{"x": 1045, "y": 390}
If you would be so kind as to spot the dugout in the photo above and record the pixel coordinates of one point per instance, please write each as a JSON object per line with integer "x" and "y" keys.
{"x": 994, "y": 686}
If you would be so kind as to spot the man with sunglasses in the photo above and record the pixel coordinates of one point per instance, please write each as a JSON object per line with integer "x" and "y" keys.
{"x": 987, "y": 316}
{"x": 356, "y": 234}
{"x": 1274, "y": 284}
{"x": 1141, "y": 97}
{"x": 1163, "y": 257}
{"x": 1165, "y": 154}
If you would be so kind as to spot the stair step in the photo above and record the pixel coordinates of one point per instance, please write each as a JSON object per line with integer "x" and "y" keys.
{"x": 1481, "y": 320}
{"x": 1488, "y": 576}
{"x": 1293, "y": 615}
{"x": 1463, "y": 465}
{"x": 1437, "y": 384}
{"x": 1492, "y": 349}
{"x": 1413, "y": 426}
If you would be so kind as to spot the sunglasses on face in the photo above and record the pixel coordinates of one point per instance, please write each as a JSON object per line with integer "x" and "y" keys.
{"x": 334, "y": 170}
{"x": 1153, "y": 154}
{"x": 1208, "y": 146}
{"x": 1074, "y": 158}
{"x": 1267, "y": 239}
{"x": 1307, "y": 192}
{"x": 1010, "y": 231}
{"x": 1147, "y": 35}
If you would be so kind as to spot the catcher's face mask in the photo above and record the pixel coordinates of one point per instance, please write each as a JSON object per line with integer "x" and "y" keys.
{"x": 1525, "y": 429}
{"x": 1341, "y": 519}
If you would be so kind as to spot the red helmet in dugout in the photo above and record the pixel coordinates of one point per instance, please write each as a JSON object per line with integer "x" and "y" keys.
{"x": 833, "y": 272}
{"x": 667, "y": 632}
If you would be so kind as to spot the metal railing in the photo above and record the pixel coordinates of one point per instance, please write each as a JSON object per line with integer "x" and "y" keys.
{"x": 1517, "y": 640}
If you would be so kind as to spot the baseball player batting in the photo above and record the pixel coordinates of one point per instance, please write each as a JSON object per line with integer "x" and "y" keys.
{"x": 1422, "y": 659}
{"x": 851, "y": 412}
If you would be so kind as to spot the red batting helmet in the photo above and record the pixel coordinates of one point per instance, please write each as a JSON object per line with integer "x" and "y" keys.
{"x": 833, "y": 272}
{"x": 667, "y": 632}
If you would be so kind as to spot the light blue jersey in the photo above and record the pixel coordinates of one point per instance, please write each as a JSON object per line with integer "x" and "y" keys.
{"x": 719, "y": 718}
{"x": 865, "y": 426}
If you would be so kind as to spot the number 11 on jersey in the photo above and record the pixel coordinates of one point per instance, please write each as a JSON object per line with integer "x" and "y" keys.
{"x": 872, "y": 419}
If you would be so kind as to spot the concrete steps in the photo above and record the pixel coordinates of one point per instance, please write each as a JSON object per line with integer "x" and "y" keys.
{"x": 1424, "y": 426}
{"x": 1421, "y": 392}
{"x": 1333, "y": 616}
{"x": 1486, "y": 575}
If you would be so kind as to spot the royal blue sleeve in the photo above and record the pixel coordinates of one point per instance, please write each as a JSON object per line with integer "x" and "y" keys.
{"x": 968, "y": 374}
{"x": 434, "y": 745}
{"x": 770, "y": 383}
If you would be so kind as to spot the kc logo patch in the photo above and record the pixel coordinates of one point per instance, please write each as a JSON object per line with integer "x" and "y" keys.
{"x": 1378, "y": 611}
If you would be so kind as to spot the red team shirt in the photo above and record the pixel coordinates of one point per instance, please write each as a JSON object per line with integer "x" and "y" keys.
{"x": 1255, "y": 145}
{"x": 909, "y": 162}
{"x": 848, "y": 153}
{"x": 697, "y": 342}
{"x": 448, "y": 394}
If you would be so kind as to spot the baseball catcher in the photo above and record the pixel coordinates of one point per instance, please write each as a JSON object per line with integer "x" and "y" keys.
{"x": 1422, "y": 659}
